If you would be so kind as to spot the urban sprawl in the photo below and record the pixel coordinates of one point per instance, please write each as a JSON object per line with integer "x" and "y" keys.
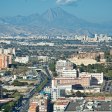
{"x": 56, "y": 74}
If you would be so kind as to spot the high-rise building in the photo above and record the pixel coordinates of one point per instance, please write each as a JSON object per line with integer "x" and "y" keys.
{"x": 5, "y": 60}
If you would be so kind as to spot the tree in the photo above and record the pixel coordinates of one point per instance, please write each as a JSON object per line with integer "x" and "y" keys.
{"x": 52, "y": 67}
{"x": 7, "y": 73}
{"x": 98, "y": 58}
{"x": 74, "y": 66}
{"x": 17, "y": 83}
{"x": 79, "y": 94}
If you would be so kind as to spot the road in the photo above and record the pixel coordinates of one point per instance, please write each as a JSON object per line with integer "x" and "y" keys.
{"x": 23, "y": 104}
{"x": 48, "y": 72}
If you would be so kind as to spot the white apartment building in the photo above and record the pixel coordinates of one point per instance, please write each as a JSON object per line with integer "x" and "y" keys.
{"x": 69, "y": 73}
{"x": 43, "y": 58}
{"x": 22, "y": 59}
{"x": 59, "y": 91}
{"x": 63, "y": 64}
{"x": 96, "y": 78}
{"x": 5, "y": 41}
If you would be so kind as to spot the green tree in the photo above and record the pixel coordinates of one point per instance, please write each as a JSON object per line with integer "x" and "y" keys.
{"x": 79, "y": 94}
{"x": 98, "y": 58}
{"x": 17, "y": 83}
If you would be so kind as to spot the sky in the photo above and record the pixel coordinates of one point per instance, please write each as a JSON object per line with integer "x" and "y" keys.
{"x": 90, "y": 10}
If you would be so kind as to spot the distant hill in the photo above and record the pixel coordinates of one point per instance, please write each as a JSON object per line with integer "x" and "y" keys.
{"x": 53, "y": 21}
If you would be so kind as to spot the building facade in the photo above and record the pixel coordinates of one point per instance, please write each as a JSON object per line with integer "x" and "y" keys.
{"x": 96, "y": 78}
{"x": 63, "y": 64}
{"x": 7, "y": 51}
{"x": 69, "y": 73}
{"x": 62, "y": 84}
{"x": 5, "y": 60}
{"x": 83, "y": 81}
{"x": 24, "y": 59}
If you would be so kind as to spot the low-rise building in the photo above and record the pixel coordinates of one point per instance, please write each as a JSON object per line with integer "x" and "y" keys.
{"x": 69, "y": 73}
{"x": 43, "y": 58}
{"x": 83, "y": 81}
{"x": 59, "y": 92}
{"x": 61, "y": 64}
{"x": 61, "y": 84}
{"x": 96, "y": 78}
{"x": 7, "y": 51}
{"x": 41, "y": 102}
{"x": 87, "y": 106}
{"x": 60, "y": 104}
{"x": 33, "y": 107}
{"x": 23, "y": 59}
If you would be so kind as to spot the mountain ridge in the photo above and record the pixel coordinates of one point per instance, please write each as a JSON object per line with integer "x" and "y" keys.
{"x": 57, "y": 19}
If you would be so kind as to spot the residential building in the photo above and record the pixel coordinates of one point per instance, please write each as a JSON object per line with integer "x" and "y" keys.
{"x": 5, "y": 41}
{"x": 69, "y": 73}
{"x": 82, "y": 105}
{"x": 59, "y": 81}
{"x": 23, "y": 59}
{"x": 60, "y": 104}
{"x": 43, "y": 58}
{"x": 61, "y": 64}
{"x": 33, "y": 107}
{"x": 62, "y": 84}
{"x": 7, "y": 51}
{"x": 96, "y": 78}
{"x": 41, "y": 102}
{"x": 60, "y": 91}
{"x": 5, "y": 60}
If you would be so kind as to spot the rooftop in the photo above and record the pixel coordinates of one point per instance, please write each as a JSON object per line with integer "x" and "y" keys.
{"x": 83, "y": 105}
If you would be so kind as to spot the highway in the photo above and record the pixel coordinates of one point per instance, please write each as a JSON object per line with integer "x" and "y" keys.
{"x": 23, "y": 104}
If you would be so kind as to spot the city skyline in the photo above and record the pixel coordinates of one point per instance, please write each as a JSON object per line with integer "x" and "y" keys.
{"x": 90, "y": 10}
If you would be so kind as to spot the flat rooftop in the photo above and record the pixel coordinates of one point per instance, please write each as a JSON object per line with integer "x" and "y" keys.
{"x": 74, "y": 106}
{"x": 83, "y": 105}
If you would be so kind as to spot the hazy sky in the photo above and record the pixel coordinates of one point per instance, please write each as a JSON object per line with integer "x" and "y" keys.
{"x": 91, "y": 10}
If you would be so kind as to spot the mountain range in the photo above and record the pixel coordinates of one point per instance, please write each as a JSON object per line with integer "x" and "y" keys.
{"x": 54, "y": 21}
